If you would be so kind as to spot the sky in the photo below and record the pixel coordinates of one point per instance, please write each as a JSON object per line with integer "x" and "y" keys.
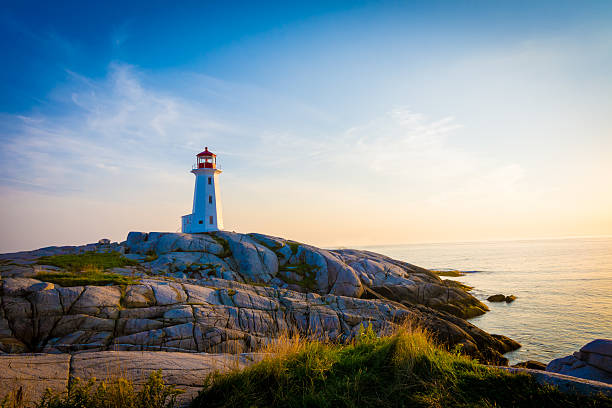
{"x": 335, "y": 123}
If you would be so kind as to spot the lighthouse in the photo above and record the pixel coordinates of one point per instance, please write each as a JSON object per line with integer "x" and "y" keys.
{"x": 206, "y": 215}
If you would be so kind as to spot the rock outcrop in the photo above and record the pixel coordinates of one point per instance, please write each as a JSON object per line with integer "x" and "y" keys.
{"x": 230, "y": 292}
{"x": 592, "y": 362}
{"x": 206, "y": 315}
{"x": 291, "y": 265}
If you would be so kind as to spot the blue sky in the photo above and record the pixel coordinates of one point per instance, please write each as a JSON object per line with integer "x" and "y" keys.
{"x": 337, "y": 123}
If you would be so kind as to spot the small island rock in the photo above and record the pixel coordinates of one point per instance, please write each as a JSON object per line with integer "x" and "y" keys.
{"x": 496, "y": 298}
{"x": 501, "y": 298}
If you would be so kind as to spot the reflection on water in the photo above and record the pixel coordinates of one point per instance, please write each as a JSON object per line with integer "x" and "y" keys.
{"x": 564, "y": 288}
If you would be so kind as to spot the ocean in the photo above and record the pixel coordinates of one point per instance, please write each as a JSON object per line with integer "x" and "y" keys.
{"x": 563, "y": 288}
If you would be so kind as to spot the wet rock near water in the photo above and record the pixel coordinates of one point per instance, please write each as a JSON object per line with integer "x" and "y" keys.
{"x": 501, "y": 298}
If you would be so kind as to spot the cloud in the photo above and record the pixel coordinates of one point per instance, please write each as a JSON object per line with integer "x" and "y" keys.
{"x": 114, "y": 125}
{"x": 122, "y": 127}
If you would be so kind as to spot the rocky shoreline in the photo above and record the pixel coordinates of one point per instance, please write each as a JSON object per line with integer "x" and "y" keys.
{"x": 228, "y": 293}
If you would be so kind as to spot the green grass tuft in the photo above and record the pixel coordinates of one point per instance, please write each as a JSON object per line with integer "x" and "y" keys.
{"x": 307, "y": 272}
{"x": 403, "y": 370}
{"x": 78, "y": 262}
{"x": 93, "y": 277}
{"x": 294, "y": 246}
{"x": 86, "y": 269}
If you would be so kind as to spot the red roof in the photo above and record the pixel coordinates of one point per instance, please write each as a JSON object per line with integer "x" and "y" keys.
{"x": 206, "y": 153}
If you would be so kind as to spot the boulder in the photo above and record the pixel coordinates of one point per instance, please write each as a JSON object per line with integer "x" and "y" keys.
{"x": 497, "y": 298}
{"x": 255, "y": 262}
{"x": 600, "y": 346}
{"x": 592, "y": 362}
{"x": 501, "y": 298}
{"x": 565, "y": 383}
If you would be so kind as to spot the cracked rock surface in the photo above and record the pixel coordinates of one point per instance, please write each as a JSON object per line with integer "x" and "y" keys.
{"x": 229, "y": 292}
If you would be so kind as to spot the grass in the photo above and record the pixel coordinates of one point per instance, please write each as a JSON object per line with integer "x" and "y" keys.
{"x": 86, "y": 269}
{"x": 294, "y": 246}
{"x": 89, "y": 276}
{"x": 405, "y": 369}
{"x": 307, "y": 272}
{"x": 116, "y": 393}
{"x": 77, "y": 262}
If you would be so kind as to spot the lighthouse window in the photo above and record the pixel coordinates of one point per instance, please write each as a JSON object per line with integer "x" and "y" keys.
{"x": 210, "y": 219}
{"x": 209, "y": 199}
{"x": 210, "y": 180}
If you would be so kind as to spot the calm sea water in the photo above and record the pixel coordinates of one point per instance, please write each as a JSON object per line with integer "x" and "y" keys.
{"x": 564, "y": 288}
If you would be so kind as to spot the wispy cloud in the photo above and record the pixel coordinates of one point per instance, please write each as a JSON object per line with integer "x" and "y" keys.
{"x": 122, "y": 127}
{"x": 114, "y": 124}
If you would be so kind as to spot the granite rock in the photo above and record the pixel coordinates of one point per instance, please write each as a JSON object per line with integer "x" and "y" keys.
{"x": 592, "y": 362}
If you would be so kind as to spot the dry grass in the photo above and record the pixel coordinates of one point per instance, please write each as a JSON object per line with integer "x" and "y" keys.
{"x": 110, "y": 393}
{"x": 403, "y": 369}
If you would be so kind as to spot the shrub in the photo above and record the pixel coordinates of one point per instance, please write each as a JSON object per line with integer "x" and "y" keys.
{"x": 403, "y": 370}
{"x": 118, "y": 393}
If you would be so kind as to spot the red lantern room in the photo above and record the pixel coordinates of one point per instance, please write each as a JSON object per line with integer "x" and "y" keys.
{"x": 206, "y": 160}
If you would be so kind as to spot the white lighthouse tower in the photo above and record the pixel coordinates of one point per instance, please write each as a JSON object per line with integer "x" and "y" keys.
{"x": 206, "y": 214}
